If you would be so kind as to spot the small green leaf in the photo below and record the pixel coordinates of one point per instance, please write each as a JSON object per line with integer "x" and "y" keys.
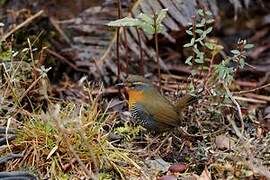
{"x": 199, "y": 31}
{"x": 201, "y": 43}
{"x": 200, "y": 12}
{"x": 209, "y": 45}
{"x": 209, "y": 30}
{"x": 210, "y": 21}
{"x": 189, "y": 32}
{"x": 199, "y": 61}
{"x": 146, "y": 18}
{"x": 196, "y": 50}
{"x": 191, "y": 86}
{"x": 200, "y": 58}
{"x": 199, "y": 25}
{"x": 148, "y": 28}
{"x": 125, "y": 22}
{"x": 235, "y": 52}
{"x": 161, "y": 15}
{"x": 202, "y": 36}
{"x": 160, "y": 28}
{"x": 188, "y": 60}
{"x": 242, "y": 63}
{"x": 208, "y": 13}
{"x": 203, "y": 21}
{"x": 192, "y": 41}
{"x": 187, "y": 45}
{"x": 193, "y": 72}
{"x": 249, "y": 46}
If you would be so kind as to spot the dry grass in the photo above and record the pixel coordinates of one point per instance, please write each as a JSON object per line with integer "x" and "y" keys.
{"x": 63, "y": 139}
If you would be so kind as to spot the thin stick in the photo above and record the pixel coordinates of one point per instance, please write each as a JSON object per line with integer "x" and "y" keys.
{"x": 117, "y": 54}
{"x": 249, "y": 100}
{"x": 24, "y": 23}
{"x": 210, "y": 69}
{"x": 141, "y": 51}
{"x": 126, "y": 49}
{"x": 29, "y": 88}
{"x": 157, "y": 51}
{"x": 252, "y": 90}
{"x": 119, "y": 10}
{"x": 238, "y": 109}
{"x": 62, "y": 58}
{"x": 193, "y": 52}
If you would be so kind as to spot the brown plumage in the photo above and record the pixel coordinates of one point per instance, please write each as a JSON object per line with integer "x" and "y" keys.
{"x": 152, "y": 110}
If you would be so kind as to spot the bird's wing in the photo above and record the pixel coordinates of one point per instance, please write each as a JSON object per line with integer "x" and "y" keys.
{"x": 162, "y": 110}
{"x": 147, "y": 120}
{"x": 185, "y": 101}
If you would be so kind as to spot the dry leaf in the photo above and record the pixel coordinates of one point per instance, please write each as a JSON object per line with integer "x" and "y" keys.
{"x": 223, "y": 142}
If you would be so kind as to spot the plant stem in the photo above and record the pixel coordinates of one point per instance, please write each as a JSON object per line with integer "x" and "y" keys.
{"x": 157, "y": 51}
{"x": 210, "y": 69}
{"x": 141, "y": 51}
{"x": 126, "y": 50}
{"x": 117, "y": 42}
{"x": 194, "y": 36}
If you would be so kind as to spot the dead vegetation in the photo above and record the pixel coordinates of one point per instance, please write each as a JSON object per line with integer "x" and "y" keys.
{"x": 79, "y": 129}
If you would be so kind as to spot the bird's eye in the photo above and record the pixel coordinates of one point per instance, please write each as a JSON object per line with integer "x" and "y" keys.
{"x": 129, "y": 84}
{"x": 134, "y": 84}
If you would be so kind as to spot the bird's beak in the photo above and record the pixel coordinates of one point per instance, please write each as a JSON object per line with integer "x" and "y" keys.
{"x": 120, "y": 85}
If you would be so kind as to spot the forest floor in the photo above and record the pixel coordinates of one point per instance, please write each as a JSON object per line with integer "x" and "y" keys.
{"x": 61, "y": 116}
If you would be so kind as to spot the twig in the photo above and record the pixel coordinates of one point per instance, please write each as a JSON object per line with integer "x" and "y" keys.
{"x": 117, "y": 53}
{"x": 26, "y": 22}
{"x": 252, "y": 90}
{"x": 161, "y": 144}
{"x": 119, "y": 10}
{"x": 193, "y": 52}
{"x": 141, "y": 51}
{"x": 236, "y": 129}
{"x": 126, "y": 50}
{"x": 240, "y": 134}
{"x": 60, "y": 31}
{"x": 257, "y": 96}
{"x": 32, "y": 58}
{"x": 249, "y": 100}
{"x": 29, "y": 88}
{"x": 62, "y": 58}
{"x": 157, "y": 51}
{"x": 210, "y": 69}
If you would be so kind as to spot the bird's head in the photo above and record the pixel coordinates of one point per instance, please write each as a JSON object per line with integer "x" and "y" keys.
{"x": 136, "y": 83}
{"x": 137, "y": 87}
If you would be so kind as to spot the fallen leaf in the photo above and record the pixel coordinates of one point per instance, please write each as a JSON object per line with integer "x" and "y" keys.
{"x": 178, "y": 168}
{"x": 223, "y": 142}
{"x": 158, "y": 165}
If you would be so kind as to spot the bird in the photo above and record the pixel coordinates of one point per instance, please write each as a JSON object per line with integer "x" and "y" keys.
{"x": 149, "y": 108}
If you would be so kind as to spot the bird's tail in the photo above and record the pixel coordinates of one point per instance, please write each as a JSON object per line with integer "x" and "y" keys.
{"x": 185, "y": 101}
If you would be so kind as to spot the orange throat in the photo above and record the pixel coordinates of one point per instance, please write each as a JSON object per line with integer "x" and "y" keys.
{"x": 134, "y": 96}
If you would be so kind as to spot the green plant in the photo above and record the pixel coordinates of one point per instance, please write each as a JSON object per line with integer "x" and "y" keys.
{"x": 152, "y": 25}
{"x": 205, "y": 51}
